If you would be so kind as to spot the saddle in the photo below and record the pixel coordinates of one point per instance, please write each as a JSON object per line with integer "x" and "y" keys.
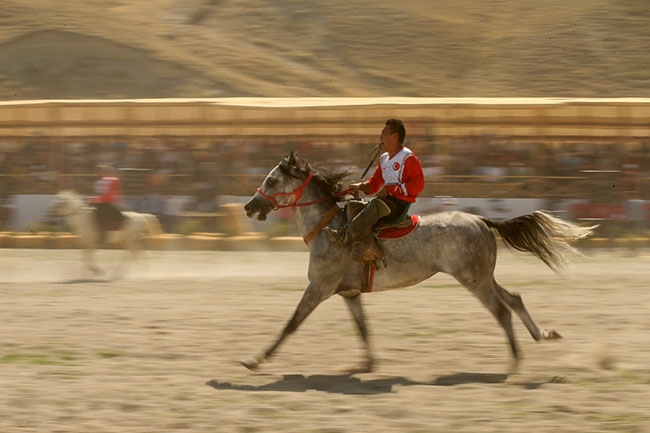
{"x": 109, "y": 217}
{"x": 365, "y": 248}
{"x": 115, "y": 224}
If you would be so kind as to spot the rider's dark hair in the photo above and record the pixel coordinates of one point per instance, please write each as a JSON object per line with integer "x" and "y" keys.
{"x": 397, "y": 126}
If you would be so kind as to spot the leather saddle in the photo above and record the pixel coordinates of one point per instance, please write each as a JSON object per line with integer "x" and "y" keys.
{"x": 365, "y": 248}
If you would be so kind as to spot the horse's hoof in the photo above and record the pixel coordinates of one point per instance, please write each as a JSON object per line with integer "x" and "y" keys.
{"x": 551, "y": 334}
{"x": 250, "y": 363}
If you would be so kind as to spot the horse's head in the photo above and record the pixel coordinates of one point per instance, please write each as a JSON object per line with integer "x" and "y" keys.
{"x": 285, "y": 184}
{"x": 282, "y": 187}
{"x": 66, "y": 203}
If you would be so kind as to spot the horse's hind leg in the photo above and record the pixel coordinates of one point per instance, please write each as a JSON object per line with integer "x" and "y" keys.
{"x": 516, "y": 304}
{"x": 356, "y": 308}
{"x": 504, "y": 317}
{"x": 128, "y": 259}
{"x": 485, "y": 292}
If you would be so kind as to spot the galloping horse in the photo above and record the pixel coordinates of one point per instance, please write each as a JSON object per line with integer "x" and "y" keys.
{"x": 457, "y": 243}
{"x": 82, "y": 221}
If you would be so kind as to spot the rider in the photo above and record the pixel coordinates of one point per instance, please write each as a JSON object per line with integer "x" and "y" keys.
{"x": 109, "y": 192}
{"x": 398, "y": 179}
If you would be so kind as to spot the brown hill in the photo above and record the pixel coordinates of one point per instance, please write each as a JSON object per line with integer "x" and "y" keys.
{"x": 299, "y": 48}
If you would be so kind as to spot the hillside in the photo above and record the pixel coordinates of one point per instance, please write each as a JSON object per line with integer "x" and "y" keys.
{"x": 296, "y": 48}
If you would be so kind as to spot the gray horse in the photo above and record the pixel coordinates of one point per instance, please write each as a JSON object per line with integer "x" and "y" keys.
{"x": 457, "y": 243}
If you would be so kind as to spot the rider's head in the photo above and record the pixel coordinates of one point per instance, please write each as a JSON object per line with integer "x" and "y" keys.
{"x": 396, "y": 126}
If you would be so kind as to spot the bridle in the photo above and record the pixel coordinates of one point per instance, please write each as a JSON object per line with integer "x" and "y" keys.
{"x": 297, "y": 194}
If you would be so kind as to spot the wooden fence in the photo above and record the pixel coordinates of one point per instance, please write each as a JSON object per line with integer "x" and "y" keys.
{"x": 329, "y": 118}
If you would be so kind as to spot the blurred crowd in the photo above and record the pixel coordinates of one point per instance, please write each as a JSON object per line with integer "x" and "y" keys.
{"x": 166, "y": 166}
{"x": 154, "y": 168}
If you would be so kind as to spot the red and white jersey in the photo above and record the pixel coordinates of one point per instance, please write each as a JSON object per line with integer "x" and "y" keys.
{"x": 402, "y": 174}
{"x": 108, "y": 190}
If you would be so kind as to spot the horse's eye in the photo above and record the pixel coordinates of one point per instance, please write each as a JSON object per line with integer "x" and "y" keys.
{"x": 270, "y": 182}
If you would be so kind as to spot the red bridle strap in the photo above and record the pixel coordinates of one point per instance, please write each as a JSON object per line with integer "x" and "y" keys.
{"x": 297, "y": 193}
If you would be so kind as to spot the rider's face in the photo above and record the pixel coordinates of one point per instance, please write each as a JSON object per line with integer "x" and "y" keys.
{"x": 389, "y": 139}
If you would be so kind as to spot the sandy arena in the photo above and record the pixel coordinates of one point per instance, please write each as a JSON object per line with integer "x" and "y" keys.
{"x": 158, "y": 350}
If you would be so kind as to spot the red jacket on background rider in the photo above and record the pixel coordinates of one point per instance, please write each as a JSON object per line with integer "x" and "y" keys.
{"x": 109, "y": 190}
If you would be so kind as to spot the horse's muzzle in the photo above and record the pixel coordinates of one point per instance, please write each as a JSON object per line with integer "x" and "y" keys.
{"x": 258, "y": 205}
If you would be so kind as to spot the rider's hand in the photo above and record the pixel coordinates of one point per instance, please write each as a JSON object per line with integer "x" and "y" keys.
{"x": 360, "y": 186}
{"x": 383, "y": 193}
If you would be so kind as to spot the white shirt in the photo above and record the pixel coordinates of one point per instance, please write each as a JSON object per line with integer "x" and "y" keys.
{"x": 392, "y": 168}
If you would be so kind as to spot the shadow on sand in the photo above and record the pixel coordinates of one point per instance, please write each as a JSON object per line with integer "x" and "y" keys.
{"x": 86, "y": 281}
{"x": 348, "y": 384}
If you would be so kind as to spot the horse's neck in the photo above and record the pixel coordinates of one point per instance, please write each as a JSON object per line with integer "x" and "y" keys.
{"x": 81, "y": 220}
{"x": 307, "y": 217}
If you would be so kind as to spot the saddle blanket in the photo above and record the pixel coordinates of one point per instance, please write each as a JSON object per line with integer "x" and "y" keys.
{"x": 395, "y": 232}
{"x": 400, "y": 230}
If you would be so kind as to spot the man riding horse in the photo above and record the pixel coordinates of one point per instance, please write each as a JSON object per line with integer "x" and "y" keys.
{"x": 109, "y": 193}
{"x": 460, "y": 244}
{"x": 398, "y": 180}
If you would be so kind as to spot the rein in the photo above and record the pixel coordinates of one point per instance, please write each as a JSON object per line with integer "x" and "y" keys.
{"x": 297, "y": 193}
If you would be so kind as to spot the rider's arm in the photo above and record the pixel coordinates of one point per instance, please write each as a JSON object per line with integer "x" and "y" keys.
{"x": 374, "y": 184}
{"x": 412, "y": 177}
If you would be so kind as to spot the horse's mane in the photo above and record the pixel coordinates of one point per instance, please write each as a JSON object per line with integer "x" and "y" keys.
{"x": 330, "y": 181}
{"x": 67, "y": 194}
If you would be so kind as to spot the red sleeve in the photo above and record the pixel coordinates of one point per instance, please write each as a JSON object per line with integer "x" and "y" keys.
{"x": 413, "y": 177}
{"x": 112, "y": 193}
{"x": 105, "y": 196}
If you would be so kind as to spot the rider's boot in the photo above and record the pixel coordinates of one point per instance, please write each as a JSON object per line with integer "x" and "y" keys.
{"x": 362, "y": 223}
{"x": 359, "y": 250}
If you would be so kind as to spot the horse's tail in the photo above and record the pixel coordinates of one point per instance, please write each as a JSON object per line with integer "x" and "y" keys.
{"x": 541, "y": 234}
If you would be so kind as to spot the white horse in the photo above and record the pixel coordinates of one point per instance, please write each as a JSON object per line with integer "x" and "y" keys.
{"x": 82, "y": 221}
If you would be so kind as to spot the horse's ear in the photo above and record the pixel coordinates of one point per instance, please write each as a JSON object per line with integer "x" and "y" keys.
{"x": 285, "y": 163}
{"x": 294, "y": 164}
{"x": 292, "y": 159}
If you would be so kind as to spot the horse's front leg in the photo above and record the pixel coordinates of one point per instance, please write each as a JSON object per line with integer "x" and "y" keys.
{"x": 313, "y": 296}
{"x": 356, "y": 308}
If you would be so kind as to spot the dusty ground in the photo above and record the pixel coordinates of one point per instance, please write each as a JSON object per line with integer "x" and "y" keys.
{"x": 157, "y": 350}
